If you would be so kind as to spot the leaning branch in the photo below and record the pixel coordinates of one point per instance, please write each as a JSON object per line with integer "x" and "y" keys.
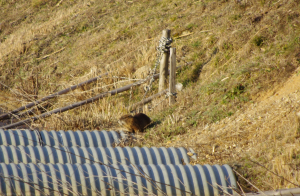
{"x": 75, "y": 105}
{"x": 9, "y": 114}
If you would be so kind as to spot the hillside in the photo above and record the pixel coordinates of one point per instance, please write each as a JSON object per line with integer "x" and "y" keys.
{"x": 240, "y": 74}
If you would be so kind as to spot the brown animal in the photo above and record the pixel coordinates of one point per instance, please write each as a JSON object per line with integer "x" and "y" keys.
{"x": 136, "y": 123}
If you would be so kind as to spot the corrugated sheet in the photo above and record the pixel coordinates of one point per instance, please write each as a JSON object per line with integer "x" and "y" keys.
{"x": 90, "y": 155}
{"x": 96, "y": 179}
{"x": 60, "y": 138}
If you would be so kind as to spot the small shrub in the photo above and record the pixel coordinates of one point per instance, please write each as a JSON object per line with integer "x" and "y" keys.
{"x": 258, "y": 40}
{"x": 236, "y": 91}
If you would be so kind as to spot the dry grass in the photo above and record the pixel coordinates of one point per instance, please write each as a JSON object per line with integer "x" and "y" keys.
{"x": 237, "y": 53}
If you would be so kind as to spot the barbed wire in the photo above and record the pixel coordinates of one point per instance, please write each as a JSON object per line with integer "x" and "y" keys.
{"x": 163, "y": 47}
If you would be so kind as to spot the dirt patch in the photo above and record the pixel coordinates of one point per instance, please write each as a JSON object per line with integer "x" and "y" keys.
{"x": 292, "y": 85}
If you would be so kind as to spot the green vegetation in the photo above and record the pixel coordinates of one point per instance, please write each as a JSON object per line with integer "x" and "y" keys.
{"x": 258, "y": 40}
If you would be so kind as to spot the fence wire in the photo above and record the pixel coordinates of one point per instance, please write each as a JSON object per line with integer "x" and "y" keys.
{"x": 163, "y": 47}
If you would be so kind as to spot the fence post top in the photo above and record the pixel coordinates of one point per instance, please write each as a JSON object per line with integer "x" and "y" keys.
{"x": 166, "y": 33}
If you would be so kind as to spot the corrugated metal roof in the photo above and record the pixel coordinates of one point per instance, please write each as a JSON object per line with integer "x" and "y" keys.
{"x": 108, "y": 155}
{"x": 60, "y": 138}
{"x": 96, "y": 179}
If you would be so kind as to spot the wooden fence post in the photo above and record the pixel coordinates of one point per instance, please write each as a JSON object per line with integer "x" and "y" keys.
{"x": 164, "y": 64}
{"x": 172, "y": 76}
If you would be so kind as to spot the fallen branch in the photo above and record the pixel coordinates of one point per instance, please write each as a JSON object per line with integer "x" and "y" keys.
{"x": 180, "y": 36}
{"x": 51, "y": 54}
{"x": 148, "y": 39}
{"x": 184, "y": 35}
{"x": 75, "y": 105}
{"x": 9, "y": 114}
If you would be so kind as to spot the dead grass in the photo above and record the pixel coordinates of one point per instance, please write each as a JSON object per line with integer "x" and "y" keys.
{"x": 237, "y": 53}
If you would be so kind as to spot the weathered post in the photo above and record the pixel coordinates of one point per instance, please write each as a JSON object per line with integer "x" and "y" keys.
{"x": 172, "y": 76}
{"x": 164, "y": 64}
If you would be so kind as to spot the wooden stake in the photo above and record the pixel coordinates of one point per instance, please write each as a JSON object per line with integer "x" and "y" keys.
{"x": 172, "y": 77}
{"x": 164, "y": 64}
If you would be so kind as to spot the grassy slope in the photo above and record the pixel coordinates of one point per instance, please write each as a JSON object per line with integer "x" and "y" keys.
{"x": 238, "y": 50}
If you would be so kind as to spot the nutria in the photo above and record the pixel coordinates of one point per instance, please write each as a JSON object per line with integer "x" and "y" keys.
{"x": 136, "y": 123}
